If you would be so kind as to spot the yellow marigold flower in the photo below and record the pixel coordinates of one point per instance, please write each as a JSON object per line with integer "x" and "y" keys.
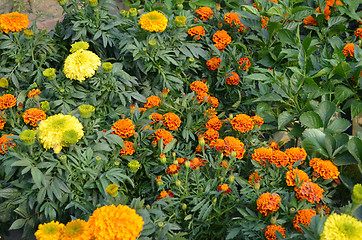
{"x": 214, "y": 123}
{"x": 293, "y": 174}
{"x": 197, "y": 31}
{"x": 129, "y": 149}
{"x": 112, "y": 190}
{"x": 86, "y": 110}
{"x": 52, "y": 129}
{"x": 357, "y": 194}
{"x": 51, "y": 230}
{"x": 221, "y": 39}
{"x": 233, "y": 20}
{"x": 78, "y": 46}
{"x": 123, "y": 128}
{"x": 304, "y": 216}
{"x": 165, "y": 135}
{"x": 348, "y": 50}
{"x": 324, "y": 168}
{"x": 28, "y": 32}
{"x": 13, "y": 22}
{"x": 199, "y": 87}
{"x": 81, "y": 64}
{"x": 28, "y": 137}
{"x": 295, "y": 154}
{"x": 279, "y": 158}
{"x": 262, "y": 154}
{"x": 341, "y": 227}
{"x": 153, "y": 21}
{"x": 180, "y": 21}
{"x": 242, "y": 123}
{"x": 213, "y": 63}
{"x": 172, "y": 121}
{"x": 245, "y": 62}
{"x": 33, "y": 116}
{"x": 4, "y": 83}
{"x": 234, "y": 145}
{"x": 111, "y": 223}
{"x": 268, "y": 203}
{"x": 7, "y": 101}
{"x": 271, "y": 229}
{"x": 152, "y": 101}
{"x": 49, "y": 73}
{"x": 5, "y": 144}
{"x": 77, "y": 230}
{"x": 232, "y": 78}
{"x": 134, "y": 165}
{"x": 93, "y": 3}
{"x": 310, "y": 191}
{"x": 257, "y": 120}
{"x": 204, "y": 13}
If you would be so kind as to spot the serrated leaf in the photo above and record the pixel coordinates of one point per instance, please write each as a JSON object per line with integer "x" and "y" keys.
{"x": 338, "y": 125}
{"x": 283, "y": 119}
{"x": 341, "y": 93}
{"x": 311, "y": 120}
{"x": 344, "y": 158}
{"x": 326, "y": 110}
{"x": 355, "y": 148}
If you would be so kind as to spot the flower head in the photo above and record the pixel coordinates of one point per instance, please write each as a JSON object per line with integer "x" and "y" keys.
{"x": 324, "y": 168}
{"x": 49, "y": 73}
{"x": 234, "y": 21}
{"x": 357, "y": 194}
{"x": 2, "y": 123}
{"x": 134, "y": 165}
{"x": 304, "y": 216}
{"x": 264, "y": 21}
{"x": 213, "y": 101}
{"x": 292, "y": 175}
{"x": 211, "y": 134}
{"x": 221, "y": 39}
{"x": 107, "y": 67}
{"x": 213, "y": 63}
{"x": 233, "y": 145}
{"x": 86, "y": 110}
{"x": 232, "y": 78}
{"x": 33, "y": 116}
{"x": 279, "y": 158}
{"x": 224, "y": 188}
{"x": 199, "y": 87}
{"x": 310, "y": 191}
{"x": 156, "y": 117}
{"x": 197, "y": 31}
{"x": 268, "y": 203}
{"x": 271, "y": 229}
{"x": 358, "y": 32}
{"x": 164, "y": 194}
{"x": 111, "y": 222}
{"x": 78, "y": 46}
{"x": 310, "y": 21}
{"x": 341, "y": 227}
{"x": 112, "y": 190}
{"x": 242, "y": 123}
{"x": 173, "y": 169}
{"x": 348, "y": 50}
{"x": 129, "y": 149}
{"x": 295, "y": 154}
{"x": 52, "y": 129}
{"x": 153, "y": 21}
{"x": 172, "y": 121}
{"x": 244, "y": 63}
{"x": 165, "y": 135}
{"x": 77, "y": 230}
{"x": 13, "y": 22}
{"x": 81, "y": 64}
{"x": 33, "y": 93}
{"x": 51, "y": 230}
{"x": 152, "y": 101}
{"x": 214, "y": 123}
{"x": 196, "y": 162}
{"x": 7, "y": 101}
{"x": 4, "y": 83}
{"x": 257, "y": 120}
{"x": 204, "y": 13}
{"x": 254, "y": 178}
{"x": 180, "y": 21}
{"x": 123, "y": 128}
{"x": 262, "y": 154}
{"x": 5, "y": 144}
{"x": 273, "y": 145}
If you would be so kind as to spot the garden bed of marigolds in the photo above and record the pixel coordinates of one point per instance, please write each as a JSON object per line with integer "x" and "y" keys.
{"x": 159, "y": 122}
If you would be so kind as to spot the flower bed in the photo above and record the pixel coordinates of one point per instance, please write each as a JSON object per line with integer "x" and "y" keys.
{"x": 160, "y": 126}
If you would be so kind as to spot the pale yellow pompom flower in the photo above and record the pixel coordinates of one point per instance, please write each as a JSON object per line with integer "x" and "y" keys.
{"x": 341, "y": 227}
{"x": 81, "y": 64}
{"x": 52, "y": 129}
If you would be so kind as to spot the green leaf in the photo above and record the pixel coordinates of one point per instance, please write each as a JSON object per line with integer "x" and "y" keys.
{"x": 17, "y": 224}
{"x": 284, "y": 118}
{"x": 344, "y": 159}
{"x": 276, "y": 11}
{"x": 338, "y": 125}
{"x": 313, "y": 146}
{"x": 286, "y": 36}
{"x": 343, "y": 69}
{"x": 322, "y": 72}
{"x": 311, "y": 120}
{"x": 330, "y": 143}
{"x": 114, "y": 138}
{"x": 356, "y": 109}
{"x": 251, "y": 9}
{"x": 346, "y": 181}
{"x": 37, "y": 176}
{"x": 270, "y": 97}
{"x": 203, "y": 3}
{"x": 355, "y": 148}
{"x": 169, "y": 146}
{"x": 326, "y": 110}
{"x": 257, "y": 77}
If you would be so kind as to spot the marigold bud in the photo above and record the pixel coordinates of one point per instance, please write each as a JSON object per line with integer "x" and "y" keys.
{"x": 357, "y": 194}
{"x": 45, "y": 106}
{"x": 49, "y": 73}
{"x": 107, "y": 67}
{"x": 178, "y": 183}
{"x": 86, "y": 111}
{"x": 184, "y": 206}
{"x": 218, "y": 7}
{"x": 4, "y": 82}
{"x": 63, "y": 158}
{"x": 160, "y": 224}
{"x": 93, "y": 3}
{"x": 201, "y": 141}
{"x": 148, "y": 207}
{"x": 163, "y": 158}
{"x": 233, "y": 154}
{"x": 134, "y": 165}
{"x": 187, "y": 164}
{"x": 180, "y": 6}
{"x": 28, "y": 137}
{"x": 292, "y": 210}
{"x": 133, "y": 12}
{"x": 257, "y": 185}
{"x": 273, "y": 220}
{"x": 231, "y": 178}
{"x": 112, "y": 190}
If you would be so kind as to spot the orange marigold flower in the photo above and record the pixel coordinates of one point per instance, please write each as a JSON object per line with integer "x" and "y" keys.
{"x": 172, "y": 121}
{"x": 164, "y": 194}
{"x": 197, "y": 162}
{"x": 214, "y": 123}
{"x": 204, "y": 13}
{"x": 33, "y": 93}
{"x": 224, "y": 164}
{"x": 304, "y": 216}
{"x": 221, "y": 39}
{"x": 111, "y": 222}
{"x": 323, "y": 209}
{"x": 165, "y": 135}
{"x": 158, "y": 179}
{"x": 224, "y": 188}
{"x": 257, "y": 120}
{"x": 123, "y": 128}
{"x": 156, "y": 117}
{"x": 197, "y": 31}
{"x": 7, "y": 101}
{"x": 181, "y": 160}
{"x": 173, "y": 169}
{"x": 2, "y": 124}
{"x": 33, "y": 116}
{"x": 142, "y": 109}
{"x": 271, "y": 229}
{"x": 129, "y": 149}
{"x": 4, "y": 143}
{"x": 254, "y": 178}
{"x": 152, "y": 101}
{"x": 324, "y": 168}
{"x": 242, "y": 123}
{"x": 210, "y": 112}
{"x": 262, "y": 154}
{"x": 268, "y": 203}
{"x": 245, "y": 62}
{"x": 13, "y": 22}
{"x": 279, "y": 158}
{"x": 232, "y": 78}
{"x": 213, "y": 101}
{"x": 218, "y": 144}
{"x": 310, "y": 191}
{"x": 211, "y": 134}
{"x": 310, "y": 21}
{"x": 199, "y": 87}
{"x": 233, "y": 20}
{"x": 293, "y": 174}
{"x": 274, "y": 145}
{"x": 264, "y": 21}
{"x": 213, "y": 63}
{"x": 234, "y": 144}
{"x": 198, "y": 149}
{"x": 348, "y": 50}
{"x": 202, "y": 97}
{"x": 358, "y": 32}
{"x": 295, "y": 154}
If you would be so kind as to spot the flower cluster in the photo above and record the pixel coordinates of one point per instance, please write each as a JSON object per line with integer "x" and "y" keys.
{"x": 233, "y": 145}
{"x": 295, "y": 154}
{"x": 262, "y": 155}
